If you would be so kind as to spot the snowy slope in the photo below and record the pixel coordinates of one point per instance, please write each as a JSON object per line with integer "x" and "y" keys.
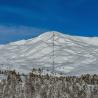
{"x": 72, "y": 54}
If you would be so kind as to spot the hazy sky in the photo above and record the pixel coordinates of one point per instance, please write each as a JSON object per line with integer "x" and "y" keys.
{"x": 23, "y": 19}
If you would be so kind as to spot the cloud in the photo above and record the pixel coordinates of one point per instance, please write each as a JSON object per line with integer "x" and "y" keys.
{"x": 13, "y": 33}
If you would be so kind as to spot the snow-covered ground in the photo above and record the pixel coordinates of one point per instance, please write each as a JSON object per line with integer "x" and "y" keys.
{"x": 2, "y": 77}
{"x": 72, "y": 54}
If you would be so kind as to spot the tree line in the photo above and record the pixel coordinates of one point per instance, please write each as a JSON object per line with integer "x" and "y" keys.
{"x": 36, "y": 85}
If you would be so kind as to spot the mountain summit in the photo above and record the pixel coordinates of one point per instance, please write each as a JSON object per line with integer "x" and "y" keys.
{"x": 72, "y": 54}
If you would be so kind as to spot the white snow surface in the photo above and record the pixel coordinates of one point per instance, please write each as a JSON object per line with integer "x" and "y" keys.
{"x": 73, "y": 55}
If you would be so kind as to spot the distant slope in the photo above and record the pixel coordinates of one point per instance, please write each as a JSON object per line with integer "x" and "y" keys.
{"x": 72, "y": 54}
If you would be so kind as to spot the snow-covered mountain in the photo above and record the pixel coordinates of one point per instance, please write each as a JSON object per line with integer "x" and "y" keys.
{"x": 72, "y": 54}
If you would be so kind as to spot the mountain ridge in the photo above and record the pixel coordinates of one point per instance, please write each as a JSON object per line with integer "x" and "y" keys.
{"x": 50, "y": 33}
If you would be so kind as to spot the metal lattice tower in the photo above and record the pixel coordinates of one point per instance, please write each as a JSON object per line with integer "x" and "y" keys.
{"x": 53, "y": 63}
